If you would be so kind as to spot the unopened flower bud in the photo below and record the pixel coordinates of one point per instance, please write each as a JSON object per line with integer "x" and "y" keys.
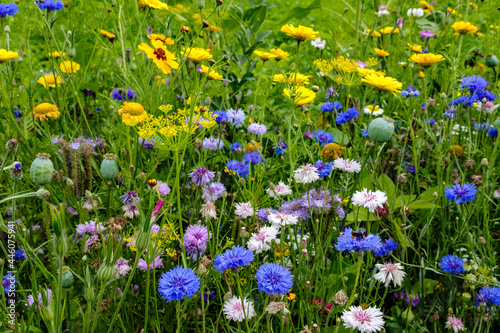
{"x": 106, "y": 272}
{"x": 228, "y": 296}
{"x": 200, "y": 4}
{"x": 42, "y": 193}
{"x": 443, "y": 95}
{"x": 481, "y": 240}
{"x": 6, "y": 29}
{"x": 308, "y": 284}
{"x": 135, "y": 290}
{"x": 315, "y": 326}
{"x": 304, "y": 252}
{"x": 205, "y": 24}
{"x": 69, "y": 182}
{"x": 89, "y": 293}
{"x": 11, "y": 145}
{"x": 484, "y": 162}
{"x": 315, "y": 88}
{"x": 219, "y": 2}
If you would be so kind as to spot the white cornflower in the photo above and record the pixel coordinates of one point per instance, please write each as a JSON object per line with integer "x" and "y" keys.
{"x": 369, "y": 200}
{"x": 318, "y": 43}
{"x": 244, "y": 209}
{"x": 279, "y": 190}
{"x": 235, "y": 309}
{"x": 455, "y": 323}
{"x": 306, "y": 174}
{"x": 368, "y": 320}
{"x": 208, "y": 210}
{"x": 388, "y": 272}
{"x": 415, "y": 12}
{"x": 282, "y": 219}
{"x": 373, "y": 110}
{"x": 347, "y": 165}
{"x": 382, "y": 11}
{"x": 261, "y": 240}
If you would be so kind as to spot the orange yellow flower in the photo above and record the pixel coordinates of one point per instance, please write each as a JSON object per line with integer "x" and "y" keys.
{"x": 57, "y": 54}
{"x": 107, "y": 34}
{"x": 280, "y": 54}
{"x": 164, "y": 59}
{"x": 388, "y": 30}
{"x": 45, "y": 110}
{"x": 426, "y": 6}
{"x": 7, "y": 55}
{"x": 50, "y": 80}
{"x": 212, "y": 75}
{"x": 373, "y": 33}
{"x": 427, "y": 59}
{"x": 299, "y": 33}
{"x": 384, "y": 83}
{"x": 197, "y": 54}
{"x": 332, "y": 151}
{"x": 132, "y": 113}
{"x": 161, "y": 38}
{"x": 415, "y": 48}
{"x": 381, "y": 53}
{"x": 301, "y": 95}
{"x": 152, "y": 4}
{"x": 464, "y": 28}
{"x": 69, "y": 67}
{"x": 264, "y": 56}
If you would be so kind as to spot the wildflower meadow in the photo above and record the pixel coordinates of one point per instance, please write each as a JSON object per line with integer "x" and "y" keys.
{"x": 249, "y": 166}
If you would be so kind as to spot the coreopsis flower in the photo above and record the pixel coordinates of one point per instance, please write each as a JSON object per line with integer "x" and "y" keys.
{"x": 389, "y": 272}
{"x": 274, "y": 279}
{"x": 369, "y": 199}
{"x": 7, "y": 55}
{"x": 282, "y": 219}
{"x": 161, "y": 38}
{"x": 197, "y": 54}
{"x": 365, "y": 320}
{"x": 383, "y": 83}
{"x": 152, "y": 4}
{"x": 346, "y": 165}
{"x": 279, "y": 190}
{"x": 452, "y": 264}
{"x": 244, "y": 209}
{"x": 455, "y": 324}
{"x": 107, "y": 34}
{"x": 45, "y": 111}
{"x": 132, "y": 113}
{"x": 306, "y": 174}
{"x": 301, "y": 95}
{"x": 164, "y": 59}
{"x": 69, "y": 67}
{"x": 261, "y": 240}
{"x": 381, "y": 53}
{"x": 208, "y": 210}
{"x": 50, "y": 80}
{"x": 426, "y": 59}
{"x": 279, "y": 54}
{"x": 299, "y": 33}
{"x": 177, "y": 283}
{"x": 415, "y": 12}
{"x": 464, "y": 28}
{"x": 264, "y": 56}
{"x": 212, "y": 74}
{"x": 57, "y": 55}
{"x": 236, "y": 309}
{"x": 318, "y": 43}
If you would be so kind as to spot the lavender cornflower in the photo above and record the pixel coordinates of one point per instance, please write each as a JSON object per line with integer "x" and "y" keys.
{"x": 130, "y": 197}
{"x": 257, "y": 129}
{"x": 235, "y": 117}
{"x": 196, "y": 238}
{"x": 213, "y": 192}
{"x": 201, "y": 176}
{"x": 280, "y": 148}
{"x": 212, "y": 144}
{"x": 162, "y": 188}
{"x": 147, "y": 143}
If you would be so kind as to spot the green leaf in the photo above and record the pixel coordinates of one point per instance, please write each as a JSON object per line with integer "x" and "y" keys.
{"x": 385, "y": 184}
{"x": 339, "y": 138}
{"x": 301, "y": 12}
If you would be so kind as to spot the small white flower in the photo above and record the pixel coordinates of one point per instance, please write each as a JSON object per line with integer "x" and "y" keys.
{"x": 306, "y": 174}
{"x": 261, "y": 240}
{"x": 415, "y": 12}
{"x": 318, "y": 43}
{"x": 282, "y": 219}
{"x": 368, "y": 199}
{"x": 373, "y": 110}
{"x": 279, "y": 190}
{"x": 275, "y": 307}
{"x": 382, "y": 11}
{"x": 347, "y": 165}
{"x": 388, "y": 272}
{"x": 208, "y": 210}
{"x": 369, "y": 320}
{"x": 235, "y": 309}
{"x": 244, "y": 209}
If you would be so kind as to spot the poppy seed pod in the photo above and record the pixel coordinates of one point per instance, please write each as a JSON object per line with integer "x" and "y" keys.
{"x": 42, "y": 169}
{"x": 109, "y": 167}
{"x": 381, "y": 129}
{"x": 491, "y": 60}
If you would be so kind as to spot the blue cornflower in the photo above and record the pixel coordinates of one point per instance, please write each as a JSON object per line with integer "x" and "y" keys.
{"x": 461, "y": 193}
{"x": 345, "y": 117}
{"x": 221, "y": 117}
{"x": 364, "y": 133}
{"x": 9, "y": 283}
{"x": 253, "y": 157}
{"x": 387, "y": 247}
{"x": 493, "y": 132}
{"x": 482, "y": 126}
{"x": 123, "y": 95}
{"x": 330, "y": 107}
{"x": 450, "y": 113}
{"x": 130, "y": 198}
{"x": 235, "y": 147}
{"x": 430, "y": 121}
{"x": 274, "y": 279}
{"x": 349, "y": 242}
{"x": 8, "y": 9}
{"x": 177, "y": 283}
{"x": 410, "y": 169}
{"x": 322, "y": 137}
{"x": 324, "y": 169}
{"x": 240, "y": 168}
{"x": 50, "y": 5}
{"x": 410, "y": 92}
{"x": 19, "y": 255}
{"x": 452, "y": 264}
{"x": 488, "y": 294}
{"x": 236, "y": 257}
{"x": 280, "y": 148}
{"x": 474, "y": 83}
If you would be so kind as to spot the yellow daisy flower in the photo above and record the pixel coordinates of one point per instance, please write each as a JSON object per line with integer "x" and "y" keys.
{"x": 163, "y": 58}
{"x": 107, "y": 34}
{"x": 387, "y": 30}
{"x": 57, "y": 54}
{"x": 426, "y": 59}
{"x": 7, "y": 55}
{"x": 161, "y": 38}
{"x": 299, "y": 33}
{"x": 464, "y": 28}
{"x": 384, "y": 83}
{"x": 69, "y": 67}
{"x": 152, "y": 4}
{"x": 415, "y": 48}
{"x": 50, "y": 80}
{"x": 132, "y": 113}
{"x": 373, "y": 33}
{"x": 264, "y": 56}
{"x": 381, "y": 53}
{"x": 197, "y": 54}
{"x": 426, "y": 6}
{"x": 301, "y": 95}
{"x": 280, "y": 54}
{"x": 44, "y": 111}
{"x": 212, "y": 75}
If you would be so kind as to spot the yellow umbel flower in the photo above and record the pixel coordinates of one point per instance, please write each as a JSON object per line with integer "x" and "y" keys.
{"x": 107, "y": 34}
{"x": 212, "y": 75}
{"x": 264, "y": 56}
{"x": 152, "y": 4}
{"x": 161, "y": 38}
{"x": 132, "y": 113}
{"x": 45, "y": 110}
{"x": 301, "y": 95}
{"x": 57, "y": 54}
{"x": 50, "y": 80}
{"x": 381, "y": 53}
{"x": 163, "y": 58}
{"x": 464, "y": 28}
{"x": 384, "y": 83}
{"x": 69, "y": 67}
{"x": 373, "y": 33}
{"x": 426, "y": 6}
{"x": 332, "y": 151}
{"x": 299, "y": 33}
{"x": 6, "y": 55}
{"x": 197, "y": 54}
{"x": 280, "y": 54}
{"x": 415, "y": 48}
{"x": 426, "y": 59}
{"x": 292, "y": 79}
{"x": 388, "y": 30}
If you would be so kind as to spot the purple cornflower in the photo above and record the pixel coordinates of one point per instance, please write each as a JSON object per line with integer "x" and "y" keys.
{"x": 196, "y": 238}
{"x": 235, "y": 117}
{"x": 213, "y": 192}
{"x": 9, "y": 283}
{"x": 427, "y": 34}
{"x": 212, "y": 144}
{"x": 461, "y": 193}
{"x": 263, "y": 215}
{"x": 402, "y": 296}
{"x": 130, "y": 197}
{"x": 257, "y": 129}
{"x": 452, "y": 264}
{"x": 162, "y": 188}
{"x": 122, "y": 95}
{"x": 280, "y": 148}
{"x": 47, "y": 297}
{"x": 201, "y": 176}
{"x": 147, "y": 143}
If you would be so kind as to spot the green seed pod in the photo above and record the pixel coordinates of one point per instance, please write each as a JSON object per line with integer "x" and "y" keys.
{"x": 67, "y": 277}
{"x": 109, "y": 167}
{"x": 42, "y": 169}
{"x": 381, "y": 129}
{"x": 89, "y": 293}
{"x": 496, "y": 123}
{"x": 491, "y": 60}
{"x": 106, "y": 272}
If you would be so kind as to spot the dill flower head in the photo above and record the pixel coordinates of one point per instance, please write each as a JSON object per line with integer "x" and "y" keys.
{"x": 152, "y": 4}
{"x": 279, "y": 54}
{"x": 384, "y": 83}
{"x": 45, "y": 110}
{"x": 264, "y": 56}
{"x": 212, "y": 74}
{"x": 331, "y": 151}
{"x": 132, "y": 113}
{"x": 197, "y": 54}
{"x": 57, "y": 54}
{"x": 50, "y": 80}
{"x": 381, "y": 53}
{"x": 301, "y": 95}
{"x": 464, "y": 28}
{"x": 161, "y": 38}
{"x": 426, "y": 59}
{"x": 7, "y": 55}
{"x": 177, "y": 283}
{"x": 69, "y": 67}
{"x": 163, "y": 58}
{"x": 299, "y": 33}
{"x": 107, "y": 34}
